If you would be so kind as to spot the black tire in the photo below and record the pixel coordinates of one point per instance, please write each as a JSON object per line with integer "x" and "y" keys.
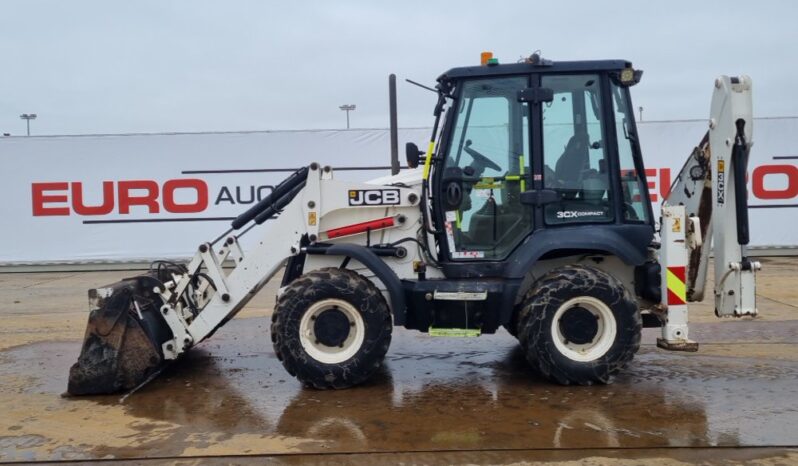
{"x": 584, "y": 285}
{"x": 317, "y": 288}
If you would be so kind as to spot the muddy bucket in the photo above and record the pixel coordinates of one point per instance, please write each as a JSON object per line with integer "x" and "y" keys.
{"x": 122, "y": 345}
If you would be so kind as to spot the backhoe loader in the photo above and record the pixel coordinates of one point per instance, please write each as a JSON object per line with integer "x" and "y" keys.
{"x": 529, "y": 211}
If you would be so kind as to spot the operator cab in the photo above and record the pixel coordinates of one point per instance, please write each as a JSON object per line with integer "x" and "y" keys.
{"x": 532, "y": 147}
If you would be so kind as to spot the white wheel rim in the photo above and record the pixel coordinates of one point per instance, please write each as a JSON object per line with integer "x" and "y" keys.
{"x": 602, "y": 341}
{"x": 331, "y": 354}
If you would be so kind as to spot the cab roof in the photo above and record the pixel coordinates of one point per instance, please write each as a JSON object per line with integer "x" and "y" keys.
{"x": 543, "y": 66}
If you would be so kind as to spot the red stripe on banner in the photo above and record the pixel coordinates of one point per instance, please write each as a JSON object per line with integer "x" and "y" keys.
{"x": 360, "y": 227}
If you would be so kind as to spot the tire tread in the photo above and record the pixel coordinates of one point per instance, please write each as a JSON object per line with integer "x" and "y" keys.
{"x": 300, "y": 294}
{"x": 531, "y": 324}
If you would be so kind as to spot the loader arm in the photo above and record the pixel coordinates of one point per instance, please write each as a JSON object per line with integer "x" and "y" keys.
{"x": 303, "y": 207}
{"x": 707, "y": 208}
{"x": 139, "y": 324}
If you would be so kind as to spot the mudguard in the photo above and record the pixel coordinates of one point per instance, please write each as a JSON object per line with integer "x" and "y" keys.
{"x": 627, "y": 242}
{"x": 378, "y": 266}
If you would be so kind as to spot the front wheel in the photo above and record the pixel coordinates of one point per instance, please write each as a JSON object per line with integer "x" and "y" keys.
{"x": 331, "y": 328}
{"x": 579, "y": 325}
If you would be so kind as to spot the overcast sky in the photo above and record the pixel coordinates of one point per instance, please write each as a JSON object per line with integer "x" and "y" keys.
{"x": 162, "y": 66}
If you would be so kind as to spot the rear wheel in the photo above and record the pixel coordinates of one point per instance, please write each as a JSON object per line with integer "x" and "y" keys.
{"x": 579, "y": 325}
{"x": 331, "y": 328}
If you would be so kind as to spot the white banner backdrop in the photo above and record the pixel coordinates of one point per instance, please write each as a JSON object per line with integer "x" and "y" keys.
{"x": 141, "y": 197}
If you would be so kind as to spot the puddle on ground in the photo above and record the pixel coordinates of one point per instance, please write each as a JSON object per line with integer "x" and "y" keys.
{"x": 232, "y": 396}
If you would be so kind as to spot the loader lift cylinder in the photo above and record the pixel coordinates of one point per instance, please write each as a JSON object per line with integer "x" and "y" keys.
{"x": 286, "y": 186}
{"x": 278, "y": 204}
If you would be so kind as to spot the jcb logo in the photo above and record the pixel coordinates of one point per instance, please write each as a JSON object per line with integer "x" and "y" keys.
{"x": 368, "y": 197}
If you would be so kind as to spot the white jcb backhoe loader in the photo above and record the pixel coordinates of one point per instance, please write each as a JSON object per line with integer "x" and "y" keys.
{"x": 530, "y": 211}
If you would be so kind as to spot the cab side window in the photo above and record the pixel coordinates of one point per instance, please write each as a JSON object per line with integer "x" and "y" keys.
{"x": 632, "y": 183}
{"x": 575, "y": 159}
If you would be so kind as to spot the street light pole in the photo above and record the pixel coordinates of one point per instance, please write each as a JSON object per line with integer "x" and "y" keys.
{"x": 28, "y": 117}
{"x": 347, "y": 109}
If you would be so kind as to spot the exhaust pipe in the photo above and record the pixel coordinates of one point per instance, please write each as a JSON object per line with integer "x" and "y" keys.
{"x": 394, "y": 128}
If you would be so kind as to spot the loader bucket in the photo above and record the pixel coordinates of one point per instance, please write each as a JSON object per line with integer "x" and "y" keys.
{"x": 122, "y": 344}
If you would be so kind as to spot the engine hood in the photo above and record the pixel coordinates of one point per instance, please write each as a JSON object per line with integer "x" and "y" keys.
{"x": 408, "y": 177}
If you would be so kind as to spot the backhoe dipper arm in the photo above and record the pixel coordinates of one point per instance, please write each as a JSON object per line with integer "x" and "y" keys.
{"x": 731, "y": 127}
{"x": 707, "y": 205}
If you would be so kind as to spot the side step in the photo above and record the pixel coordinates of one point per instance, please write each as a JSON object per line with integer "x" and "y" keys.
{"x": 455, "y": 332}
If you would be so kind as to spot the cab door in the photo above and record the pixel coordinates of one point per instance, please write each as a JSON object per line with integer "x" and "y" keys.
{"x": 486, "y": 169}
{"x": 576, "y": 166}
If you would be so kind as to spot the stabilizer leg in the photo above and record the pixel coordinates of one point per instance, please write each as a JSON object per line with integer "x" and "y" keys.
{"x": 673, "y": 260}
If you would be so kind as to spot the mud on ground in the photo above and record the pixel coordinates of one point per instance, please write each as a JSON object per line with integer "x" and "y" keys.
{"x": 438, "y": 401}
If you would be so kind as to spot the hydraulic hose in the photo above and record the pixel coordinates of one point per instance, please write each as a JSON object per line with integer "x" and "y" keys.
{"x": 739, "y": 165}
{"x": 278, "y": 205}
{"x": 286, "y": 186}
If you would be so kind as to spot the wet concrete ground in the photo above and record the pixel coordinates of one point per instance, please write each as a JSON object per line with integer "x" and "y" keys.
{"x": 438, "y": 401}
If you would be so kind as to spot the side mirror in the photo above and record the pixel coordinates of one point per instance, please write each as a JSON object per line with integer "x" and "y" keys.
{"x": 452, "y": 188}
{"x": 413, "y": 155}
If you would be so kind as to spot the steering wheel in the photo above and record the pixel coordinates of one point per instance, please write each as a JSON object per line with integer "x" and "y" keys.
{"x": 479, "y": 158}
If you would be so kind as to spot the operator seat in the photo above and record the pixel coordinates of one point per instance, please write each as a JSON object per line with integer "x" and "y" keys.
{"x": 571, "y": 166}
{"x": 582, "y": 189}
{"x": 594, "y": 187}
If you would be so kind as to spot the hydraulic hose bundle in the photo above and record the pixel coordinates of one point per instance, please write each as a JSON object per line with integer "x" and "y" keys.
{"x": 282, "y": 194}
